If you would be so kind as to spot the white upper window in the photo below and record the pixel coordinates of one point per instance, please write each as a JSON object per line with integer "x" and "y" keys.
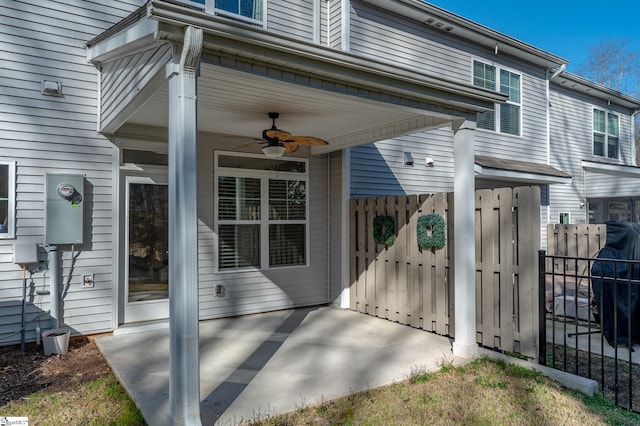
{"x": 262, "y": 212}
{"x": 505, "y": 117}
{"x": 606, "y": 134}
{"x": 250, "y": 11}
{"x": 7, "y": 199}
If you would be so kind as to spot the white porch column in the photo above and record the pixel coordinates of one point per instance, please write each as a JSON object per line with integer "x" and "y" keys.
{"x": 184, "y": 363}
{"x": 464, "y": 240}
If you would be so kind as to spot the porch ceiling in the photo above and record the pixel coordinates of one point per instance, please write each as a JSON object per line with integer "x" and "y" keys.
{"x": 236, "y": 103}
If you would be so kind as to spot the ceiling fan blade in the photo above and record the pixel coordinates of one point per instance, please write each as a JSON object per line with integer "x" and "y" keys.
{"x": 307, "y": 140}
{"x": 291, "y": 146}
{"x": 277, "y": 134}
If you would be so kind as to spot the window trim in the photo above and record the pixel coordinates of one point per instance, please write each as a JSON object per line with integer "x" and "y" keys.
{"x": 605, "y": 134}
{"x": 497, "y": 107}
{"x": 11, "y": 208}
{"x": 264, "y": 176}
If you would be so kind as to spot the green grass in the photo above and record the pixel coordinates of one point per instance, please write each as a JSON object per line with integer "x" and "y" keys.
{"x": 483, "y": 392}
{"x": 100, "y": 402}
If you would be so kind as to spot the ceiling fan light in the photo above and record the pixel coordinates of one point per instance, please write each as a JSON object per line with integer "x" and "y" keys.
{"x": 273, "y": 150}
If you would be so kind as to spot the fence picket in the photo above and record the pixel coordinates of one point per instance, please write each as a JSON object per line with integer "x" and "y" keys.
{"x": 370, "y": 282}
{"x": 414, "y": 267}
{"x": 380, "y": 268}
{"x": 407, "y": 285}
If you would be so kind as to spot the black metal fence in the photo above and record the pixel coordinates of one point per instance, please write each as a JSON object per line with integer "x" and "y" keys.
{"x": 591, "y": 322}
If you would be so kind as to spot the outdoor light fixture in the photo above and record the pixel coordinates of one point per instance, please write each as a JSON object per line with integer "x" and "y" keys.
{"x": 273, "y": 150}
{"x": 51, "y": 88}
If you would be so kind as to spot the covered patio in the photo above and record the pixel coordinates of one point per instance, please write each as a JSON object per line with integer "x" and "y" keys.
{"x": 177, "y": 80}
{"x": 261, "y": 365}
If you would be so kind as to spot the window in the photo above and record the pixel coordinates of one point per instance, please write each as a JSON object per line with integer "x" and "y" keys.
{"x": 7, "y": 199}
{"x": 262, "y": 212}
{"x": 563, "y": 218}
{"x": 606, "y": 133}
{"x": 602, "y": 210}
{"x": 504, "y": 117}
{"x": 249, "y": 11}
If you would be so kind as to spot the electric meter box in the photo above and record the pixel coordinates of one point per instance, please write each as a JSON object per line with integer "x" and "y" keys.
{"x": 64, "y": 209}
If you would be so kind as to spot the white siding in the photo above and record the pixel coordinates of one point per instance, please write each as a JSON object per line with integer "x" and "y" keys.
{"x": 335, "y": 24}
{"x": 384, "y": 36}
{"x": 339, "y": 255}
{"x": 261, "y": 291}
{"x": 378, "y": 169}
{"x": 124, "y": 78}
{"x": 380, "y": 34}
{"x": 56, "y": 135}
{"x": 572, "y": 142}
{"x": 291, "y": 18}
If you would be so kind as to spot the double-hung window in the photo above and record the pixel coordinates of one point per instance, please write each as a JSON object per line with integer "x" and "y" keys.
{"x": 262, "y": 212}
{"x": 505, "y": 117}
{"x": 7, "y": 199}
{"x": 606, "y": 134}
{"x": 249, "y": 11}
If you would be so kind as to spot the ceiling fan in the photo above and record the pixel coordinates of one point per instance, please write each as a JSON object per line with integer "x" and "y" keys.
{"x": 277, "y": 141}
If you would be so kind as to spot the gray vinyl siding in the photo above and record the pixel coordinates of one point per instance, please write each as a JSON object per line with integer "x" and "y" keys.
{"x": 260, "y": 291}
{"x": 44, "y": 134}
{"x": 606, "y": 186}
{"x": 291, "y": 18}
{"x": 122, "y": 79}
{"x": 383, "y": 35}
{"x": 378, "y": 169}
{"x": 571, "y": 132}
{"x": 335, "y": 24}
{"x": 324, "y": 24}
{"x": 338, "y": 254}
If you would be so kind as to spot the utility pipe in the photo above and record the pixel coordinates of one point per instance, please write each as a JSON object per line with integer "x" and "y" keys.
{"x": 53, "y": 284}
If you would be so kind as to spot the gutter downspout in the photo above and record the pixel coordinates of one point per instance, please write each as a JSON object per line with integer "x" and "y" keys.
{"x": 345, "y": 25}
{"x": 317, "y": 16}
{"x": 634, "y": 135}
{"x": 556, "y": 72}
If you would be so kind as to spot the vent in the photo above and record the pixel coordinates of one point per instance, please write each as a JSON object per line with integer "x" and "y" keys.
{"x": 438, "y": 24}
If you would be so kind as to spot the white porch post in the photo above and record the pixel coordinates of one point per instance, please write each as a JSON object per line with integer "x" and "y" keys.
{"x": 184, "y": 364}
{"x": 464, "y": 253}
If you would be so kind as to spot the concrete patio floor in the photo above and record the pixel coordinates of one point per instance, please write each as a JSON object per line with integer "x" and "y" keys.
{"x": 260, "y": 365}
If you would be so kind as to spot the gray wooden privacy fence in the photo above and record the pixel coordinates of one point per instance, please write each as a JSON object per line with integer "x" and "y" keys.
{"x": 576, "y": 240}
{"x": 414, "y": 286}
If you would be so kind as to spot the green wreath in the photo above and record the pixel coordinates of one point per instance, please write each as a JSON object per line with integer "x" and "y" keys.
{"x": 384, "y": 230}
{"x": 431, "y": 231}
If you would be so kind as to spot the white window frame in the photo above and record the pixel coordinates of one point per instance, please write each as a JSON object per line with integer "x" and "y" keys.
{"x": 11, "y": 207}
{"x": 564, "y": 214}
{"x": 209, "y": 7}
{"x": 497, "y": 106}
{"x": 605, "y": 134}
{"x": 264, "y": 176}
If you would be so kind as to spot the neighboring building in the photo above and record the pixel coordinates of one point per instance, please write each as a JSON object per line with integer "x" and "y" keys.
{"x": 90, "y": 92}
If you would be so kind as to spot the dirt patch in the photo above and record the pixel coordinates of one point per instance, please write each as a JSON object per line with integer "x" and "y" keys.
{"x": 23, "y": 373}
